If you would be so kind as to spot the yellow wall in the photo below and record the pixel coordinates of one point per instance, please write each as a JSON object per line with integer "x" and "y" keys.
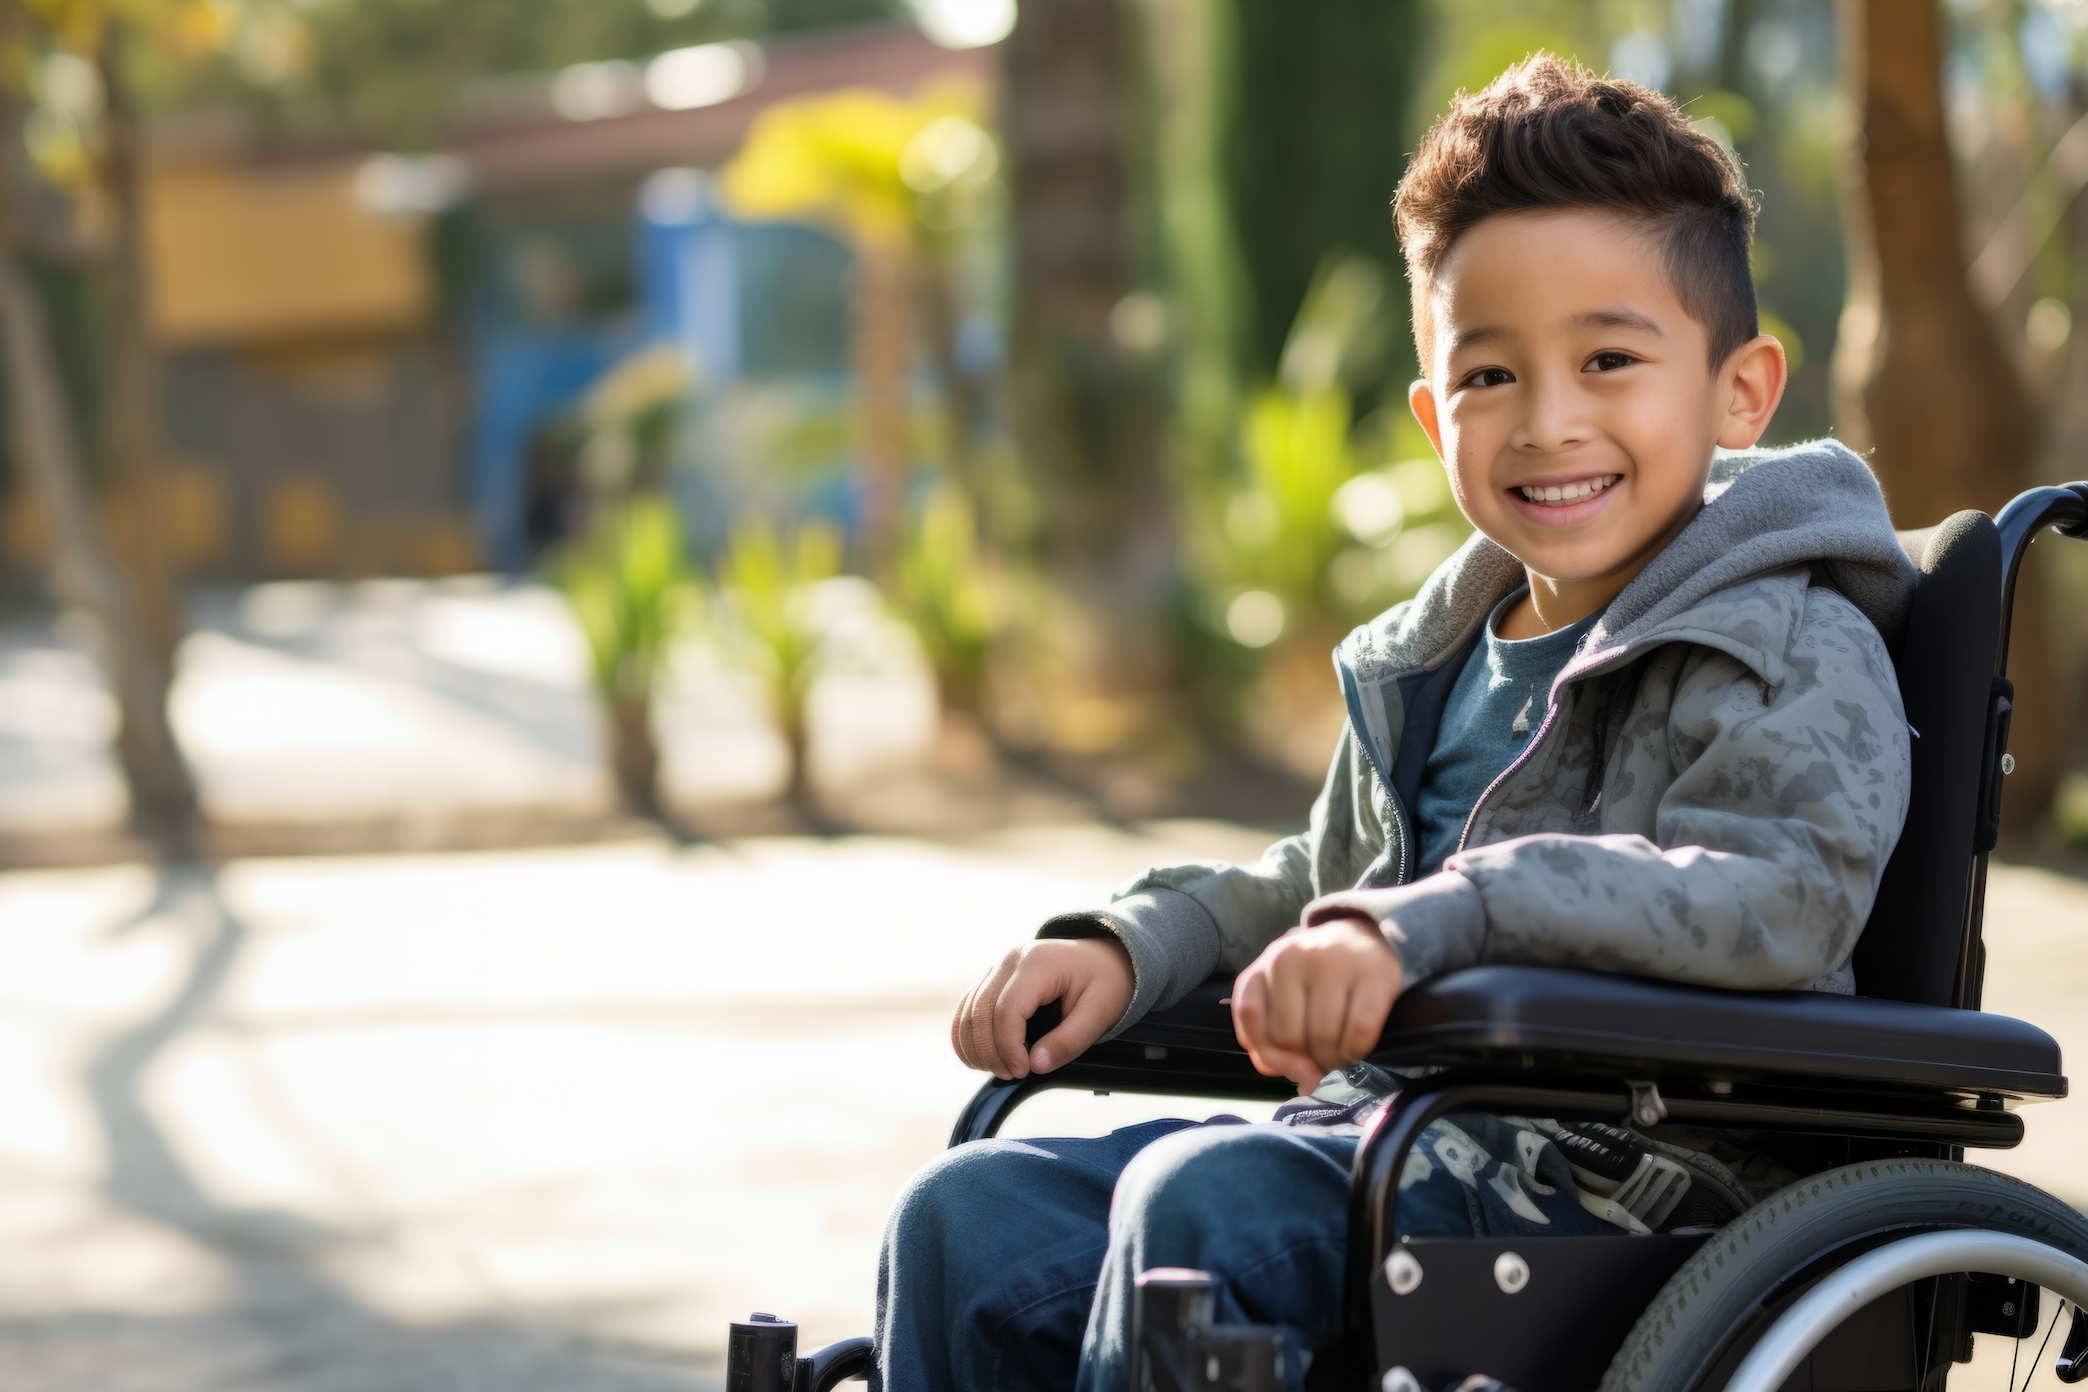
{"x": 241, "y": 256}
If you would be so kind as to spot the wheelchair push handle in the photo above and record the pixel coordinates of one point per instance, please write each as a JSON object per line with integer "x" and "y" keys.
{"x": 2022, "y": 521}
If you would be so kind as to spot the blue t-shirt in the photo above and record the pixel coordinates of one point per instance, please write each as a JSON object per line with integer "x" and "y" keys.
{"x": 1495, "y": 706}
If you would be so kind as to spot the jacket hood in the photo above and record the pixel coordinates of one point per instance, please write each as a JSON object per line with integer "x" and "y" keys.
{"x": 1814, "y": 505}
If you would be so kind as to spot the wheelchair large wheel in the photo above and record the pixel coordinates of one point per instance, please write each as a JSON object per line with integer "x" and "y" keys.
{"x": 1731, "y": 1295}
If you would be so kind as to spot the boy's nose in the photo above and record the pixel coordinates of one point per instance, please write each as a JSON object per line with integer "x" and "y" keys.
{"x": 1553, "y": 421}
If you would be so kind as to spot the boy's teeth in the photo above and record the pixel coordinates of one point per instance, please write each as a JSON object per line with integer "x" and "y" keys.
{"x": 1569, "y": 492}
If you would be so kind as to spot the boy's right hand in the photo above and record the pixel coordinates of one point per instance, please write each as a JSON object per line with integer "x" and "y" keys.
{"x": 1090, "y": 977}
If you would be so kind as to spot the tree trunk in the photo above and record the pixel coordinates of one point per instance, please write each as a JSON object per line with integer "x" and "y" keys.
{"x": 133, "y": 439}
{"x": 797, "y": 743}
{"x": 962, "y": 396}
{"x": 882, "y": 347}
{"x": 1923, "y": 386}
{"x": 1087, "y": 417}
{"x": 163, "y": 797}
{"x": 634, "y": 754}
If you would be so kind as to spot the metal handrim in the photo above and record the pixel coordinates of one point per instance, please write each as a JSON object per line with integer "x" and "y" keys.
{"x": 1844, "y": 1291}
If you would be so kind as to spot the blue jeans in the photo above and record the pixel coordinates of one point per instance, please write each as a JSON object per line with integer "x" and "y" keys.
{"x": 1011, "y": 1264}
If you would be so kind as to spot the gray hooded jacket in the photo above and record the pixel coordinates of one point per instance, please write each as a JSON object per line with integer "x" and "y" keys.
{"x": 1720, "y": 776}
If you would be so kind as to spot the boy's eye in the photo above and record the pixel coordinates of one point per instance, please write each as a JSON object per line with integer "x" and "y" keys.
{"x": 1490, "y": 377}
{"x": 1609, "y": 362}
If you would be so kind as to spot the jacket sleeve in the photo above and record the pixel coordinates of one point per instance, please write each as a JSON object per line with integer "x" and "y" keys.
{"x": 1183, "y": 923}
{"x": 1770, "y": 839}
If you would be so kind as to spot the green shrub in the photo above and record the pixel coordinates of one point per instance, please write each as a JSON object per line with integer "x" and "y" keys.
{"x": 767, "y": 585}
{"x": 631, "y": 590}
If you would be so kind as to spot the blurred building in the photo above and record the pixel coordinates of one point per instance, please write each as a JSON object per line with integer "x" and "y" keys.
{"x": 371, "y": 360}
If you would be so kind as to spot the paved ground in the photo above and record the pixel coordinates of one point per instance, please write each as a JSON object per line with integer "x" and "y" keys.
{"x": 547, "y": 1120}
{"x": 503, "y": 1121}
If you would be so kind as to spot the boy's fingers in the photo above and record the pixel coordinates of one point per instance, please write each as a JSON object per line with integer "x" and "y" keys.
{"x": 1286, "y": 1007}
{"x": 1020, "y": 997}
{"x": 1369, "y": 1005}
{"x": 979, "y": 1026}
{"x": 1303, "y": 1073}
{"x": 1251, "y": 1019}
{"x": 960, "y": 1026}
{"x": 1326, "y": 1022}
{"x": 1087, "y": 1014}
{"x": 1250, "y": 1012}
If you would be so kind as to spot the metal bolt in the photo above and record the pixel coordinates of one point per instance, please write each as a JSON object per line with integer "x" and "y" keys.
{"x": 1511, "y": 1273}
{"x": 1402, "y": 1272}
{"x": 2007, "y": 763}
{"x": 2008, "y": 1307}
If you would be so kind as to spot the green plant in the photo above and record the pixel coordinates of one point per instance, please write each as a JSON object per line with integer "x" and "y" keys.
{"x": 629, "y": 585}
{"x": 949, "y": 596}
{"x": 767, "y": 589}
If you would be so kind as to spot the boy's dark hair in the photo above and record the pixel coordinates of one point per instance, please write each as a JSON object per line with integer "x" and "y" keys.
{"x": 1548, "y": 134}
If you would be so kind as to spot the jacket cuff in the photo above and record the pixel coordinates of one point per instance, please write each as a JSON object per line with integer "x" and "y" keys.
{"x": 1174, "y": 946}
{"x": 1434, "y": 925}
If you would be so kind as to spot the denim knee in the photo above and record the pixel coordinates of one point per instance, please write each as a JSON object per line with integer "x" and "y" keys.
{"x": 950, "y": 1195}
{"x": 1230, "y": 1175}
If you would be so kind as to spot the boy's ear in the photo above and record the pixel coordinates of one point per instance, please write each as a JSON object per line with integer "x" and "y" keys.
{"x": 1755, "y": 377}
{"x": 1421, "y": 397}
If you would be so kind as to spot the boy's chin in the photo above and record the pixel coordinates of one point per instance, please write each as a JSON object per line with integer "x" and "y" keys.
{"x": 1578, "y": 564}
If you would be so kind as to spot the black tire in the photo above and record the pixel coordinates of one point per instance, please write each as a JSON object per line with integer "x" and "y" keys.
{"x": 1715, "y": 1305}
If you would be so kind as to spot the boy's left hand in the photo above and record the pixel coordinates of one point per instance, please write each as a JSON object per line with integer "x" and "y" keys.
{"x": 1316, "y": 1000}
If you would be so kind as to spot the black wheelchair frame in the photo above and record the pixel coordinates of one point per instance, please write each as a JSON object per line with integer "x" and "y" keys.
{"x": 1911, "y": 1069}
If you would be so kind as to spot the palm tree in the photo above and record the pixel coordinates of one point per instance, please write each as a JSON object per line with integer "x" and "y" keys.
{"x": 866, "y": 164}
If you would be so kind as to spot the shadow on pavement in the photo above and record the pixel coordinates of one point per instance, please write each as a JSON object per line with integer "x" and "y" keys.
{"x": 281, "y": 1320}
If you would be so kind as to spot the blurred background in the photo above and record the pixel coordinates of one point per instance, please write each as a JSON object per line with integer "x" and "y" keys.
{"x": 572, "y": 570}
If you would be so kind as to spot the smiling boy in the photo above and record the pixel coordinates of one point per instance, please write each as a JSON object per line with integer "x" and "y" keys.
{"x": 1643, "y": 722}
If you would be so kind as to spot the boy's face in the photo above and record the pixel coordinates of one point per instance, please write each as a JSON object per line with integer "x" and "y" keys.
{"x": 1570, "y": 396}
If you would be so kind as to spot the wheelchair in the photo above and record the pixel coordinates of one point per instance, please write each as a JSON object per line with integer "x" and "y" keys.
{"x": 1870, "y": 1274}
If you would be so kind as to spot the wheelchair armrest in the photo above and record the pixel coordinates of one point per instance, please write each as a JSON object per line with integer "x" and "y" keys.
{"x": 1200, "y": 1020}
{"x": 1622, "y": 1027}
{"x": 1492, "y": 1017}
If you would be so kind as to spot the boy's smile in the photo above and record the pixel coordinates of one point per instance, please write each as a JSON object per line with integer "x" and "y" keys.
{"x": 1573, "y": 402}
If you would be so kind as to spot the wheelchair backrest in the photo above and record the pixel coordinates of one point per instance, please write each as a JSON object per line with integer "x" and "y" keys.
{"x": 1921, "y": 943}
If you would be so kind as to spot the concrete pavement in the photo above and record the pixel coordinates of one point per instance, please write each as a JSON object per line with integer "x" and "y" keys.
{"x": 547, "y": 1120}
{"x": 506, "y": 1121}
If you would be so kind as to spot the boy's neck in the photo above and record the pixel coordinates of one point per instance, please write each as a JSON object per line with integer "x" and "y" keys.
{"x": 1551, "y": 605}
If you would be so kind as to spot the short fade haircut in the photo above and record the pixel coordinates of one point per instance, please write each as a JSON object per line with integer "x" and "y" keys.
{"x": 1550, "y": 134}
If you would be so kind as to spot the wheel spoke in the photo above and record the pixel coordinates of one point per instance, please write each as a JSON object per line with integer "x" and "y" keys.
{"x": 2057, "y": 1315}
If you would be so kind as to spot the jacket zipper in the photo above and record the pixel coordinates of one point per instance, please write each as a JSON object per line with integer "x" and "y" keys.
{"x": 1352, "y": 696}
{"x": 1551, "y": 711}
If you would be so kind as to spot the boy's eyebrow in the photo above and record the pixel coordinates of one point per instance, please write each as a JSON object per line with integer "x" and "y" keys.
{"x": 1594, "y": 318}
{"x": 1621, "y": 319}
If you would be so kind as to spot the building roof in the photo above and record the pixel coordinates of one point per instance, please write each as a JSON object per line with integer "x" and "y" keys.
{"x": 520, "y": 139}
